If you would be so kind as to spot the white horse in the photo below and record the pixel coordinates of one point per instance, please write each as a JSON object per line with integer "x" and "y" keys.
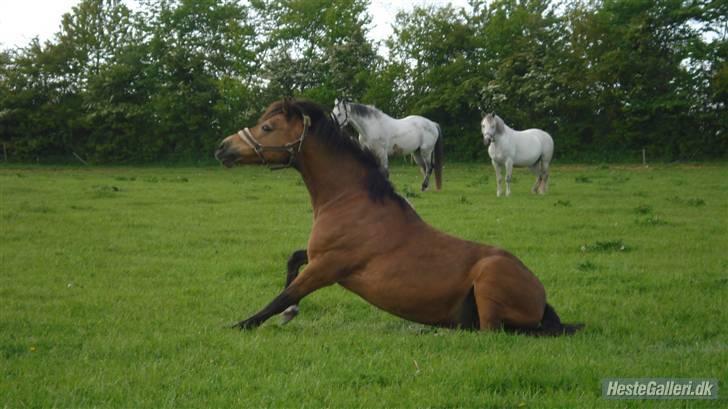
{"x": 533, "y": 148}
{"x": 386, "y": 136}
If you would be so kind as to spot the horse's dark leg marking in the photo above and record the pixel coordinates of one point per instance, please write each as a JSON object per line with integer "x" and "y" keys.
{"x": 278, "y": 305}
{"x": 427, "y": 169}
{"x": 428, "y": 172}
{"x": 283, "y": 303}
{"x": 297, "y": 259}
{"x": 468, "y": 317}
{"x": 321, "y": 273}
{"x": 551, "y": 326}
{"x": 426, "y": 182}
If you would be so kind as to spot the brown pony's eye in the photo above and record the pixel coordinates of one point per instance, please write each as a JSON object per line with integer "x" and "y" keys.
{"x": 266, "y": 128}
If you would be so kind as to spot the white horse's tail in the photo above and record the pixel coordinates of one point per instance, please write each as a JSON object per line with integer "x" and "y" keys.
{"x": 438, "y": 158}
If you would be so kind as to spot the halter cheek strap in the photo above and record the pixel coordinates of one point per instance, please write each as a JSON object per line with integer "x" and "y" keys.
{"x": 292, "y": 147}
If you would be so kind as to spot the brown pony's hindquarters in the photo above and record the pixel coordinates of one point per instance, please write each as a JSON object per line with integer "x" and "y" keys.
{"x": 507, "y": 293}
{"x": 509, "y": 297}
{"x": 489, "y": 315}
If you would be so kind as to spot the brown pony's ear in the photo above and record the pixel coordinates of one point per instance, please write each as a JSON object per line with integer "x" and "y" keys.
{"x": 286, "y": 105}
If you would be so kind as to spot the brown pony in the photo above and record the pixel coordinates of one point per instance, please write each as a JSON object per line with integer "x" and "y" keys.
{"x": 369, "y": 240}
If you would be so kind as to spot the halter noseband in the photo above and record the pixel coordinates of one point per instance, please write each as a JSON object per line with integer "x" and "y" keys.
{"x": 247, "y": 137}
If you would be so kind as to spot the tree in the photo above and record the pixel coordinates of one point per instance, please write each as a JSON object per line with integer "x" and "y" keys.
{"x": 638, "y": 56}
{"x": 434, "y": 56}
{"x": 317, "y": 49}
{"x": 201, "y": 60}
{"x": 605, "y": 77}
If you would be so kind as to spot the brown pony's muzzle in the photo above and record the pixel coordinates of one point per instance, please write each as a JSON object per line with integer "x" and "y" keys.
{"x": 229, "y": 152}
{"x": 223, "y": 155}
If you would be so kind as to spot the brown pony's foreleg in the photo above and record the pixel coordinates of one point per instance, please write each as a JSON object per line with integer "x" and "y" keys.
{"x": 315, "y": 276}
{"x": 297, "y": 259}
{"x": 277, "y": 306}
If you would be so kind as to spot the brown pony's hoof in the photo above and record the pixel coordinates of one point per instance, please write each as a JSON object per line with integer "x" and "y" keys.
{"x": 289, "y": 314}
{"x": 245, "y": 324}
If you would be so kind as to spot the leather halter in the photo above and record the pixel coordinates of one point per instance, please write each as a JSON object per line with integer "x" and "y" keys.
{"x": 247, "y": 137}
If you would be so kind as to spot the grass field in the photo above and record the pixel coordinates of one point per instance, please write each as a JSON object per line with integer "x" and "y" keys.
{"x": 116, "y": 285}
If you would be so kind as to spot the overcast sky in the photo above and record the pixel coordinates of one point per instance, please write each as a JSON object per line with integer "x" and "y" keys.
{"x": 21, "y": 20}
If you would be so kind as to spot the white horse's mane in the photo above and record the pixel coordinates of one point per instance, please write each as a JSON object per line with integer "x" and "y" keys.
{"x": 500, "y": 125}
{"x": 363, "y": 110}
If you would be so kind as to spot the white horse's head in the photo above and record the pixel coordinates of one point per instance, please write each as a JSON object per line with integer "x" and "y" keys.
{"x": 340, "y": 113}
{"x": 490, "y": 127}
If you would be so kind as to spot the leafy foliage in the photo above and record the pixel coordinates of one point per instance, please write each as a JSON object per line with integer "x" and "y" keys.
{"x": 607, "y": 78}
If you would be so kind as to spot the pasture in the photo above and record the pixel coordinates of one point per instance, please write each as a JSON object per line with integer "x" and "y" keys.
{"x": 117, "y": 284}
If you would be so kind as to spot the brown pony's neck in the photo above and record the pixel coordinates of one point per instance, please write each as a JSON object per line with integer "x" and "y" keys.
{"x": 329, "y": 176}
{"x": 334, "y": 166}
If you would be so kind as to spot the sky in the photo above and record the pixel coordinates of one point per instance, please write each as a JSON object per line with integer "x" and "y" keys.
{"x": 22, "y": 20}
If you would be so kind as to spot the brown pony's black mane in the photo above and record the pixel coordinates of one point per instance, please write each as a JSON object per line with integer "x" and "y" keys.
{"x": 328, "y": 132}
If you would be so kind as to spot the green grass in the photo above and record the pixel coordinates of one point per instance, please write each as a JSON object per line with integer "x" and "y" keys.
{"x": 116, "y": 285}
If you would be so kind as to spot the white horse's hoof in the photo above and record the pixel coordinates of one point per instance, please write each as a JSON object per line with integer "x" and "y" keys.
{"x": 289, "y": 314}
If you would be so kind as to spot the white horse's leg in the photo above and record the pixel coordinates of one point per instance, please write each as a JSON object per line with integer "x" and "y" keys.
{"x": 536, "y": 169}
{"x": 536, "y": 186}
{"x": 544, "y": 179}
{"x": 426, "y": 157}
{"x": 416, "y": 155}
{"x": 497, "y": 178}
{"x": 509, "y": 172}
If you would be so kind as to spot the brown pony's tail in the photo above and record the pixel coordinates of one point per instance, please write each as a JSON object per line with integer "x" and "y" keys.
{"x": 437, "y": 162}
{"x": 551, "y": 326}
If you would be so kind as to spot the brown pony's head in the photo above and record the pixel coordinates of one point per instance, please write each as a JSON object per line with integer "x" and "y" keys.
{"x": 274, "y": 140}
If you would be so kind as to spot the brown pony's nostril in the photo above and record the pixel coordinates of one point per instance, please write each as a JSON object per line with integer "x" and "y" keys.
{"x": 220, "y": 150}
